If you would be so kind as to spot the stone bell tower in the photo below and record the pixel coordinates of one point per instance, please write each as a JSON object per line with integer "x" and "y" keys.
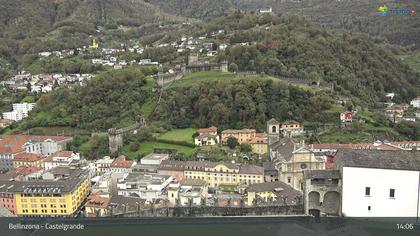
{"x": 273, "y": 130}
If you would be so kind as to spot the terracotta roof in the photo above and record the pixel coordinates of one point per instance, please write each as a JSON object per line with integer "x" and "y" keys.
{"x": 208, "y": 130}
{"x": 12, "y": 144}
{"x": 95, "y": 200}
{"x": 122, "y": 162}
{"x": 29, "y": 157}
{"x": 24, "y": 171}
{"x": 67, "y": 154}
{"x": 234, "y": 131}
{"x": 260, "y": 138}
{"x": 367, "y": 146}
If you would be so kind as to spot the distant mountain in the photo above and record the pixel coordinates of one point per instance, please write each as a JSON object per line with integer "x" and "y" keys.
{"x": 356, "y": 15}
{"x": 27, "y": 25}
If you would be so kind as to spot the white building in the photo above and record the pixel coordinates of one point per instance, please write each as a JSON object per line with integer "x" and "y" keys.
{"x": 11, "y": 145}
{"x": 20, "y": 111}
{"x": 103, "y": 165}
{"x": 62, "y": 158}
{"x": 154, "y": 158}
{"x": 379, "y": 183}
{"x": 146, "y": 186}
{"x": 415, "y": 102}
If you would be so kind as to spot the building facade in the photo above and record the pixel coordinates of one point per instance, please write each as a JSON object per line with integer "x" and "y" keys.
{"x": 243, "y": 135}
{"x": 52, "y": 198}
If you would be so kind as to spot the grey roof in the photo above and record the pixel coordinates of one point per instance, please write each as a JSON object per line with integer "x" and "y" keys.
{"x": 193, "y": 182}
{"x": 401, "y": 160}
{"x": 322, "y": 174}
{"x": 281, "y": 189}
{"x": 285, "y": 148}
{"x": 64, "y": 185}
{"x": 273, "y": 121}
{"x": 251, "y": 169}
{"x": 117, "y": 199}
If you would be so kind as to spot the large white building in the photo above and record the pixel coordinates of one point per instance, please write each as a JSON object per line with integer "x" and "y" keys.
{"x": 20, "y": 111}
{"x": 146, "y": 186}
{"x": 379, "y": 183}
{"x": 11, "y": 145}
{"x": 415, "y": 102}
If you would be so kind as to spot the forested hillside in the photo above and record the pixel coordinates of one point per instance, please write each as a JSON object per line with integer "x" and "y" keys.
{"x": 112, "y": 99}
{"x": 28, "y": 26}
{"x": 243, "y": 103}
{"x": 291, "y": 46}
{"x": 354, "y": 15}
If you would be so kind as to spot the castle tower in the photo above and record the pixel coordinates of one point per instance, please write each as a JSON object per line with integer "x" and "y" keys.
{"x": 193, "y": 59}
{"x": 273, "y": 130}
{"x": 94, "y": 45}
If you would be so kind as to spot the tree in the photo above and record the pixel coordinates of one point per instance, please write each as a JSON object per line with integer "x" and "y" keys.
{"x": 233, "y": 67}
{"x": 232, "y": 142}
{"x": 246, "y": 147}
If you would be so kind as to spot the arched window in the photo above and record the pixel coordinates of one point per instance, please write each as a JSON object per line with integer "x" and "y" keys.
{"x": 273, "y": 129}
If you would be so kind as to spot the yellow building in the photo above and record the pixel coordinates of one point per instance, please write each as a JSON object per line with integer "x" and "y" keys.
{"x": 272, "y": 193}
{"x": 259, "y": 143}
{"x": 27, "y": 159}
{"x": 243, "y": 135}
{"x": 51, "y": 197}
{"x": 94, "y": 45}
{"x": 302, "y": 159}
{"x": 216, "y": 174}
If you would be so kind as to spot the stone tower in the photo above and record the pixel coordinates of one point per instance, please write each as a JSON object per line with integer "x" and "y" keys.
{"x": 193, "y": 59}
{"x": 273, "y": 130}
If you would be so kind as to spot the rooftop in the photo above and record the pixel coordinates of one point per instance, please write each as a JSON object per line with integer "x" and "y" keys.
{"x": 14, "y": 143}
{"x": 192, "y": 182}
{"x": 400, "y": 160}
{"x": 234, "y": 131}
{"x": 322, "y": 174}
{"x": 40, "y": 186}
{"x": 122, "y": 162}
{"x": 212, "y": 129}
{"x": 27, "y": 157}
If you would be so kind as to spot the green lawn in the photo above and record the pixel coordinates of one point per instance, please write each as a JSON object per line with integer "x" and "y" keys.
{"x": 148, "y": 147}
{"x": 184, "y": 135}
{"x": 210, "y": 76}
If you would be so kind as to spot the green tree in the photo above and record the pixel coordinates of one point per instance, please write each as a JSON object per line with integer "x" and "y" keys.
{"x": 233, "y": 67}
{"x": 232, "y": 142}
{"x": 246, "y": 147}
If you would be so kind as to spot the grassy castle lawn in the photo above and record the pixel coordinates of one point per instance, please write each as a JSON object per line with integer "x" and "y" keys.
{"x": 183, "y": 135}
{"x": 164, "y": 141}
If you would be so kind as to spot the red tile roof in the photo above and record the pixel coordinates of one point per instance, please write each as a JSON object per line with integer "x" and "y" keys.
{"x": 208, "y": 130}
{"x": 29, "y": 157}
{"x": 95, "y": 200}
{"x": 67, "y": 154}
{"x": 12, "y": 144}
{"x": 122, "y": 162}
{"x": 260, "y": 138}
{"x": 24, "y": 171}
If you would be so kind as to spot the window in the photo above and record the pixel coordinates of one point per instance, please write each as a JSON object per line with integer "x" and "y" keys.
{"x": 392, "y": 193}
{"x": 273, "y": 129}
{"x": 288, "y": 180}
{"x": 367, "y": 191}
{"x": 369, "y": 208}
